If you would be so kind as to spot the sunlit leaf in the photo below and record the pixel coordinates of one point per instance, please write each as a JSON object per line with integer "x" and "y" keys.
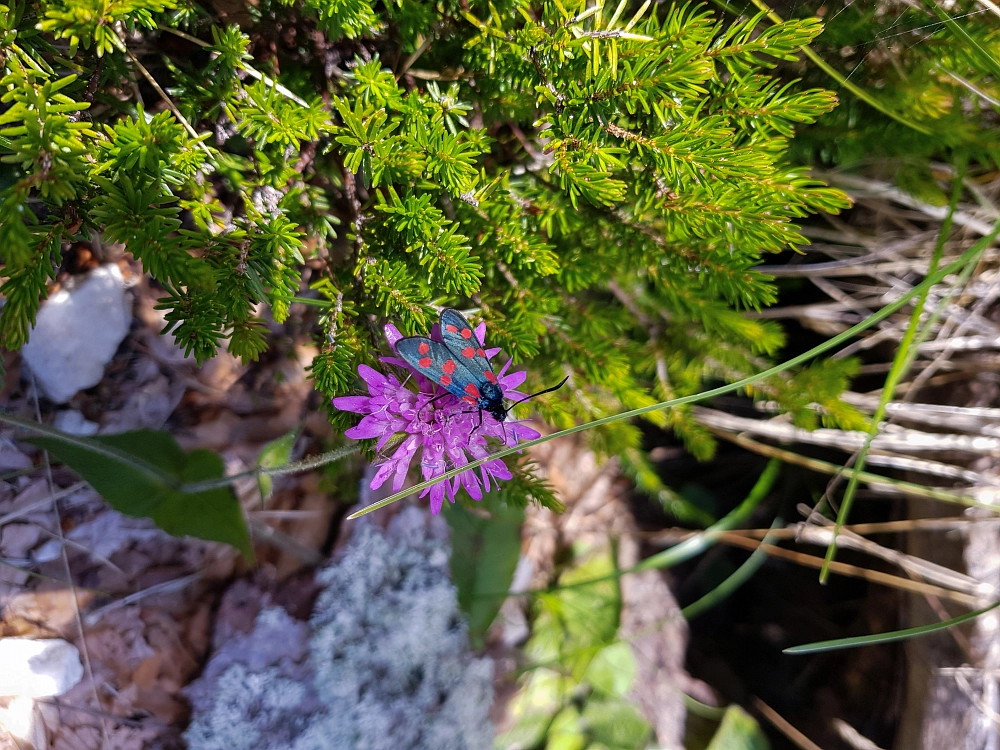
{"x": 276, "y": 453}
{"x": 484, "y": 553}
{"x": 738, "y": 731}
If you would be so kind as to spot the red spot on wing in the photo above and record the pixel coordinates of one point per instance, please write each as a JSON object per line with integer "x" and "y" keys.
{"x": 472, "y": 390}
{"x": 445, "y": 380}
{"x": 450, "y": 328}
{"x": 480, "y": 352}
{"x": 468, "y": 352}
{"x": 466, "y": 333}
{"x": 468, "y": 399}
{"x": 424, "y": 347}
{"x": 424, "y": 362}
{"x": 449, "y": 366}
{"x": 490, "y": 376}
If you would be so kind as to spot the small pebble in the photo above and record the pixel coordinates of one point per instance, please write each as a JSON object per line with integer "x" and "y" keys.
{"x": 38, "y": 668}
{"x": 77, "y": 333}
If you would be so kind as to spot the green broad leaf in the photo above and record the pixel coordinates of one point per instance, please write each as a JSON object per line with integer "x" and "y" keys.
{"x": 738, "y": 731}
{"x": 612, "y": 669}
{"x": 484, "y": 553}
{"x": 542, "y": 696}
{"x": 142, "y": 473}
{"x": 529, "y": 731}
{"x": 574, "y": 623}
{"x": 566, "y": 731}
{"x": 616, "y": 724}
{"x": 276, "y": 453}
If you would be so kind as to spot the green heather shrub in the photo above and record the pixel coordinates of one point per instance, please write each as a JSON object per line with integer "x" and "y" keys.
{"x": 598, "y": 183}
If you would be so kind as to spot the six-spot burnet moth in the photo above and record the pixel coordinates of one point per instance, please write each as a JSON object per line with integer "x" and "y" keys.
{"x": 459, "y": 365}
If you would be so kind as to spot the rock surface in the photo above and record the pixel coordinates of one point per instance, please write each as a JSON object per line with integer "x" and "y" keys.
{"x": 38, "y": 668}
{"x": 383, "y": 663}
{"x": 77, "y": 333}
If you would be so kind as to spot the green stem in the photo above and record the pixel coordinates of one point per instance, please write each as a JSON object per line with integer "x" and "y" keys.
{"x": 895, "y": 635}
{"x": 743, "y": 574}
{"x": 313, "y": 462}
{"x": 701, "y": 542}
{"x": 900, "y": 365}
{"x": 882, "y": 314}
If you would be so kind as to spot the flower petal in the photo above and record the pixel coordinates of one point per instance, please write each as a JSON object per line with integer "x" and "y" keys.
{"x": 513, "y": 380}
{"x": 498, "y": 469}
{"x": 384, "y": 439}
{"x": 481, "y": 332}
{"x": 437, "y": 496}
{"x": 374, "y": 378}
{"x": 392, "y": 334}
{"x": 523, "y": 432}
{"x": 402, "y": 460}
{"x": 492, "y": 352}
{"x": 356, "y": 404}
{"x": 369, "y": 427}
{"x": 382, "y": 474}
{"x": 396, "y": 361}
{"x": 470, "y": 481}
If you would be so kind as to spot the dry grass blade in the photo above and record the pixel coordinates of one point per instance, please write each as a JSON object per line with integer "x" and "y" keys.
{"x": 854, "y": 571}
{"x": 898, "y": 440}
{"x": 783, "y": 726}
{"x": 875, "y": 481}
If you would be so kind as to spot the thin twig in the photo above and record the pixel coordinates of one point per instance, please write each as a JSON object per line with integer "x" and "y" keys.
{"x": 84, "y": 650}
{"x": 168, "y": 101}
{"x": 853, "y": 571}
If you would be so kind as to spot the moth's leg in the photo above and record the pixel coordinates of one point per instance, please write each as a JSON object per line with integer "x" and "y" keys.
{"x": 440, "y": 395}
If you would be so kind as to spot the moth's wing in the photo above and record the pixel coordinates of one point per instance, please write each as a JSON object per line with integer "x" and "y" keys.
{"x": 460, "y": 337}
{"x": 435, "y": 361}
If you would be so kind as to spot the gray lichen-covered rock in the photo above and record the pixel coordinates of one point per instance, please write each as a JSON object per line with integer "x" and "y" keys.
{"x": 383, "y": 664}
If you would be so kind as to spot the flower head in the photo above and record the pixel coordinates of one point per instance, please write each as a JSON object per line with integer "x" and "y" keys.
{"x": 436, "y": 424}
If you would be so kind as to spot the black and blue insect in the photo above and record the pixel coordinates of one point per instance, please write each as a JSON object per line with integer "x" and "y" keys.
{"x": 459, "y": 365}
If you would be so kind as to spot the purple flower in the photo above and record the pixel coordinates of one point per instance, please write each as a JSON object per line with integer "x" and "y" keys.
{"x": 445, "y": 433}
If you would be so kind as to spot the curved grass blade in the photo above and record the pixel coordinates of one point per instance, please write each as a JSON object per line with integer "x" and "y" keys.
{"x": 150, "y": 471}
{"x": 895, "y": 635}
{"x": 830, "y": 343}
{"x": 742, "y": 574}
{"x": 690, "y": 547}
{"x": 701, "y": 542}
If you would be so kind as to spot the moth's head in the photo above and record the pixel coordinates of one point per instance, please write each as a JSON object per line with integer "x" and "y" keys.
{"x": 491, "y": 401}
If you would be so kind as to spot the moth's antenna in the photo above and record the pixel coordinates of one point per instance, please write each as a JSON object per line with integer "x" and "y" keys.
{"x": 540, "y": 393}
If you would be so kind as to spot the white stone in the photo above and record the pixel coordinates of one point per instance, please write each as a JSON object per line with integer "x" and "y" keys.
{"x": 23, "y": 721}
{"x": 73, "y": 422}
{"x": 77, "y": 333}
{"x": 38, "y": 668}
